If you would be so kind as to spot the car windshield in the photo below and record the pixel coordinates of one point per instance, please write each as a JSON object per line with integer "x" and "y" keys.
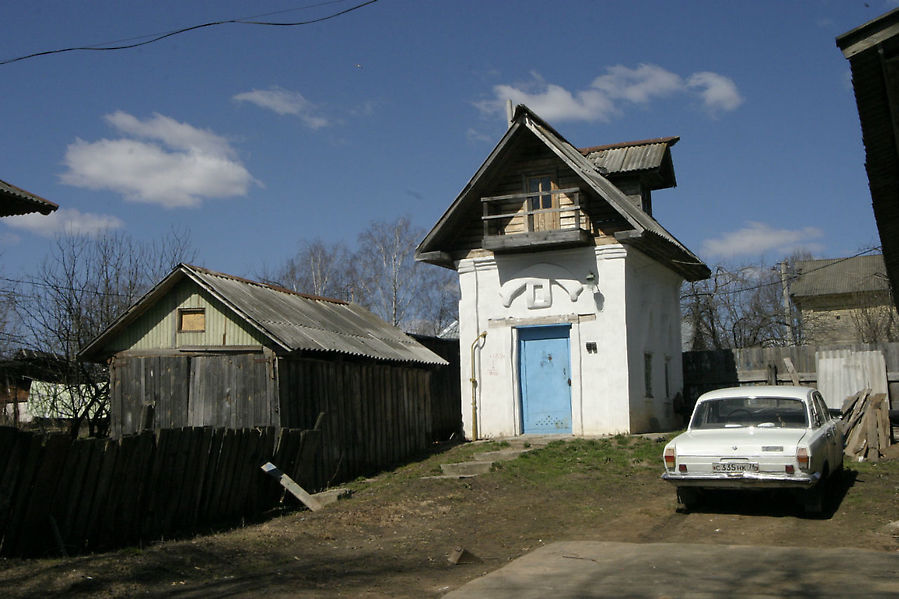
{"x": 736, "y": 412}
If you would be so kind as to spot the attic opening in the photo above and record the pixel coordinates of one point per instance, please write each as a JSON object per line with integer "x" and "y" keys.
{"x": 191, "y": 320}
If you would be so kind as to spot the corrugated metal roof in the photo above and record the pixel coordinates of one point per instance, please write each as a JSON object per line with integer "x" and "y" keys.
{"x": 630, "y": 157}
{"x": 16, "y": 200}
{"x": 293, "y": 321}
{"x": 840, "y": 275}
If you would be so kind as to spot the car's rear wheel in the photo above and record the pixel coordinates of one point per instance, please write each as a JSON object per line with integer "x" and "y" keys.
{"x": 687, "y": 498}
{"x": 814, "y": 500}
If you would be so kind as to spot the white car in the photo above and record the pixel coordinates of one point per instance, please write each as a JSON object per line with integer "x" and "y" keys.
{"x": 756, "y": 438}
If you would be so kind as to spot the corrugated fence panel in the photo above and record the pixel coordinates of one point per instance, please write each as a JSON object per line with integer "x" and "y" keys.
{"x": 842, "y": 373}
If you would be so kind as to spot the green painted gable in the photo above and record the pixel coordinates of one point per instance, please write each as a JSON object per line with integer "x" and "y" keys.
{"x": 157, "y": 327}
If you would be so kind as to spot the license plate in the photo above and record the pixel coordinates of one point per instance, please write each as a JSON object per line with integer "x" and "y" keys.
{"x": 735, "y": 467}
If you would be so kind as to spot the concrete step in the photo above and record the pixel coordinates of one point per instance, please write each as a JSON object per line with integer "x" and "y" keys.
{"x": 467, "y": 468}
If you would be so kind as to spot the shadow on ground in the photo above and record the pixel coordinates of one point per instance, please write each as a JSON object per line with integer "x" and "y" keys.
{"x": 778, "y": 503}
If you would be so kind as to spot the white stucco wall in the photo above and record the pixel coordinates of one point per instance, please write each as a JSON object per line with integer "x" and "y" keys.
{"x": 539, "y": 288}
{"x": 654, "y": 327}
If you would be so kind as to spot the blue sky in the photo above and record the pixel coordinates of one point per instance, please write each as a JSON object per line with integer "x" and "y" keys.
{"x": 256, "y": 138}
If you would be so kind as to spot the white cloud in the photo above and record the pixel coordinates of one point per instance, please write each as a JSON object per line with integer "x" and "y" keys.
{"x": 638, "y": 85}
{"x": 65, "y": 220}
{"x": 608, "y": 93}
{"x": 553, "y": 103}
{"x": 179, "y": 136}
{"x": 187, "y": 166}
{"x": 282, "y": 101}
{"x": 475, "y": 135}
{"x": 718, "y": 93}
{"x": 757, "y": 238}
{"x": 9, "y": 238}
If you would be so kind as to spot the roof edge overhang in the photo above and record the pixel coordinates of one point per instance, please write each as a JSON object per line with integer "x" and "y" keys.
{"x": 683, "y": 262}
{"x": 425, "y": 251}
{"x": 869, "y": 35}
{"x": 22, "y": 198}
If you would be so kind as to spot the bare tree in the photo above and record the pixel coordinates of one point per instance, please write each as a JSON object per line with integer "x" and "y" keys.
{"x": 875, "y": 319}
{"x": 8, "y": 333}
{"x": 79, "y": 289}
{"x": 380, "y": 274}
{"x": 737, "y": 307}
{"x": 318, "y": 268}
{"x": 411, "y": 295}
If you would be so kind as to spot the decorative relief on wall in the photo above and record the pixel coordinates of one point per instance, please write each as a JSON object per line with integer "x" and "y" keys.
{"x": 536, "y": 283}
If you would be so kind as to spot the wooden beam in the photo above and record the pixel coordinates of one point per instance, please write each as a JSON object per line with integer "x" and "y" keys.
{"x": 296, "y": 490}
{"x": 794, "y": 376}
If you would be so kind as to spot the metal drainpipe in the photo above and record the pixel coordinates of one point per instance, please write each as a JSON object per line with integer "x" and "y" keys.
{"x": 474, "y": 387}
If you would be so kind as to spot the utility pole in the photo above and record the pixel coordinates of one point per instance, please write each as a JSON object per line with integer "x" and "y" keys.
{"x": 788, "y": 313}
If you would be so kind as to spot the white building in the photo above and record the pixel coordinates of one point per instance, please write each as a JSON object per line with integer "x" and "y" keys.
{"x": 569, "y": 320}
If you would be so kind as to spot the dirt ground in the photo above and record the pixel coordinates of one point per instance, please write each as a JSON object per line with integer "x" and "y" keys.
{"x": 392, "y": 538}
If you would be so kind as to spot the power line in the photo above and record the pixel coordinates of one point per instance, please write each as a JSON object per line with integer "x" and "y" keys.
{"x": 792, "y": 277}
{"x": 162, "y": 36}
{"x": 62, "y": 288}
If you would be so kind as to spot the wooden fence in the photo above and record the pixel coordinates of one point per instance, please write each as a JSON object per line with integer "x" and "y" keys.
{"x": 59, "y": 495}
{"x": 707, "y": 370}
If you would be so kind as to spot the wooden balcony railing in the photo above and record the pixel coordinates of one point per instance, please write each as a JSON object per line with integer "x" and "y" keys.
{"x": 514, "y": 222}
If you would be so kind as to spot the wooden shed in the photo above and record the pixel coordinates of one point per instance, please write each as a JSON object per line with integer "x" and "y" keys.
{"x": 209, "y": 349}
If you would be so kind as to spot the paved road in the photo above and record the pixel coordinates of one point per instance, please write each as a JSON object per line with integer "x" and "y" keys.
{"x": 588, "y": 569}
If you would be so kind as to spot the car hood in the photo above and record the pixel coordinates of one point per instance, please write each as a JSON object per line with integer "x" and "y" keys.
{"x": 747, "y": 440}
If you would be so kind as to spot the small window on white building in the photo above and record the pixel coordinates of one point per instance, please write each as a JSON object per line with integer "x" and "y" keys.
{"x": 667, "y": 377}
{"x": 647, "y": 373}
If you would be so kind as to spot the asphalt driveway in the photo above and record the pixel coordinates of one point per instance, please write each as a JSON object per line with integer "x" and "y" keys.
{"x": 587, "y": 569}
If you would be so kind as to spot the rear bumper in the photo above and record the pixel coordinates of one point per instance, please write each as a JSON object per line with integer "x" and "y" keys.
{"x": 743, "y": 480}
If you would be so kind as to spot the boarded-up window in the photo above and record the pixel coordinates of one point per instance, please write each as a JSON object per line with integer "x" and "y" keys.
{"x": 191, "y": 320}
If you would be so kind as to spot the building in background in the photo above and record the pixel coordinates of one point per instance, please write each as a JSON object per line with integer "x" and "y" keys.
{"x": 844, "y": 301}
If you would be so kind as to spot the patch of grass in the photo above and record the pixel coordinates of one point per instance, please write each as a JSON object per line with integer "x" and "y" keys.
{"x": 616, "y": 456}
{"x": 606, "y": 458}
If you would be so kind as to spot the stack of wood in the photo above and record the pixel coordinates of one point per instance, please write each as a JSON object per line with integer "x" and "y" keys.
{"x": 866, "y": 425}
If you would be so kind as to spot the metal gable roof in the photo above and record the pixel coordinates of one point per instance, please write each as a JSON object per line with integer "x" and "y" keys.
{"x": 293, "y": 321}
{"x": 303, "y": 322}
{"x": 15, "y": 201}
{"x": 630, "y": 157}
{"x": 835, "y": 276}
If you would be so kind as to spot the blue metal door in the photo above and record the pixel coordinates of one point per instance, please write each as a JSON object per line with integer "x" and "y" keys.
{"x": 545, "y": 379}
